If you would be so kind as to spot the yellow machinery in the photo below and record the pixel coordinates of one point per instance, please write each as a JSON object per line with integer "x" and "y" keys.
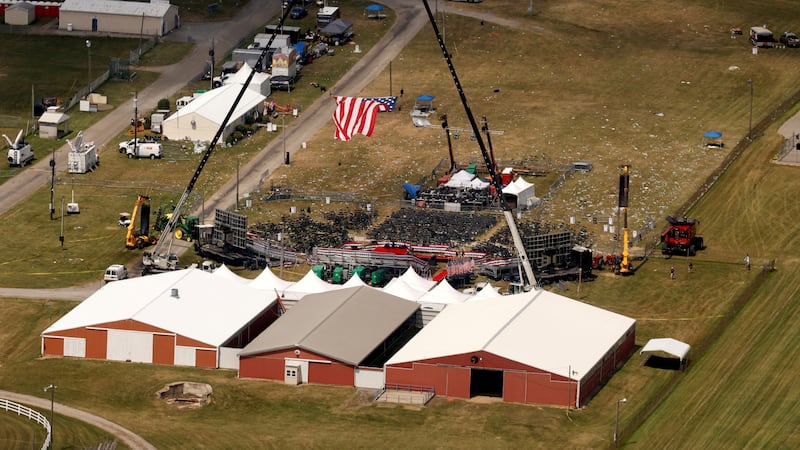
{"x": 624, "y": 185}
{"x": 140, "y": 237}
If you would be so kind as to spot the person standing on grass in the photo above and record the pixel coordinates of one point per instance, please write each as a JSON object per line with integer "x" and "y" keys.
{"x": 672, "y": 273}
{"x": 690, "y": 267}
{"x": 747, "y": 261}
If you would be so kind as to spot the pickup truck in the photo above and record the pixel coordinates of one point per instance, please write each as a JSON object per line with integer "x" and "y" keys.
{"x": 790, "y": 39}
{"x": 141, "y": 149}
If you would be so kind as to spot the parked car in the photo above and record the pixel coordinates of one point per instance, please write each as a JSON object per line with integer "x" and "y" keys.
{"x": 298, "y": 12}
{"x": 115, "y": 272}
{"x": 790, "y": 39}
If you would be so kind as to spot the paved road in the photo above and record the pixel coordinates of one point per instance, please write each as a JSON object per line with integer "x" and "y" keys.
{"x": 125, "y": 435}
{"x": 226, "y": 36}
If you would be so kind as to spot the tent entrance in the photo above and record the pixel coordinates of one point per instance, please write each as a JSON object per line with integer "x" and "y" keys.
{"x": 488, "y": 383}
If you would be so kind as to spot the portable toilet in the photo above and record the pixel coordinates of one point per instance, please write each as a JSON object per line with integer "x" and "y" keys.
{"x": 319, "y": 271}
{"x": 338, "y": 275}
{"x": 378, "y": 277}
{"x": 360, "y": 272}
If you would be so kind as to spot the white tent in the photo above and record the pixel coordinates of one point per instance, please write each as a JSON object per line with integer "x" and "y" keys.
{"x": 523, "y": 191}
{"x": 488, "y": 292}
{"x": 354, "y": 281}
{"x": 412, "y": 278}
{"x": 260, "y": 82}
{"x": 200, "y": 119}
{"x": 443, "y": 293}
{"x": 268, "y": 281}
{"x": 478, "y": 184}
{"x": 399, "y": 288}
{"x": 309, "y": 284}
{"x": 670, "y": 346}
{"x": 224, "y": 272}
{"x": 460, "y": 179}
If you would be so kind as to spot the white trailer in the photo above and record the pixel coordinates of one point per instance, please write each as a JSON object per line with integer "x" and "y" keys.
{"x": 83, "y": 156}
{"x": 19, "y": 151}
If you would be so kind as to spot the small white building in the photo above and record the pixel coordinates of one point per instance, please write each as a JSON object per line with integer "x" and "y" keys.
{"x": 22, "y": 13}
{"x": 51, "y": 123}
{"x": 155, "y": 18}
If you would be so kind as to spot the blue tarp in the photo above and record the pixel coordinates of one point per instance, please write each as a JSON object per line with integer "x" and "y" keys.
{"x": 425, "y": 98}
{"x": 411, "y": 189}
{"x": 300, "y": 48}
{"x": 712, "y": 135}
{"x": 374, "y": 7}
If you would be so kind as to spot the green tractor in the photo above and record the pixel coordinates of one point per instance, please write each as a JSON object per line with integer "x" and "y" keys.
{"x": 185, "y": 229}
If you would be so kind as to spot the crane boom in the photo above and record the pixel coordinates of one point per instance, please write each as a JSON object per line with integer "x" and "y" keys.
{"x": 490, "y": 164}
{"x": 159, "y": 259}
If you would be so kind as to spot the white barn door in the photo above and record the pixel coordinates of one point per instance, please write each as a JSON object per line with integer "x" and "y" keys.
{"x": 133, "y": 346}
{"x": 75, "y": 347}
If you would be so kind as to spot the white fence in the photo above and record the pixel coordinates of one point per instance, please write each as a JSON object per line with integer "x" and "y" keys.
{"x": 31, "y": 414}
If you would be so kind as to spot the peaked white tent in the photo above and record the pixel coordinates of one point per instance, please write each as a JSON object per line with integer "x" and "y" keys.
{"x": 200, "y": 119}
{"x": 224, "y": 272}
{"x": 670, "y": 346}
{"x": 399, "y": 288}
{"x": 523, "y": 191}
{"x": 268, "y": 281}
{"x": 354, "y": 281}
{"x": 444, "y": 293}
{"x": 309, "y": 284}
{"x": 460, "y": 179}
{"x": 488, "y": 292}
{"x": 260, "y": 82}
{"x": 413, "y": 279}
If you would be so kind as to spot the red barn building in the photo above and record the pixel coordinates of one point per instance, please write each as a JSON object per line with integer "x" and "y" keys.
{"x": 537, "y": 347}
{"x": 187, "y": 317}
{"x": 340, "y": 337}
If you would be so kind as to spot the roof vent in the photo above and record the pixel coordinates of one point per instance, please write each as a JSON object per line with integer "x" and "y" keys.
{"x": 175, "y": 293}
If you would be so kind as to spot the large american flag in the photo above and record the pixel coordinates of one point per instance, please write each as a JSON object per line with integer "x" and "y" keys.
{"x": 355, "y": 115}
{"x": 390, "y": 102}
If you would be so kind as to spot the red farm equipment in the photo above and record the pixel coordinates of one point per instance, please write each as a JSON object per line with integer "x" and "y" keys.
{"x": 681, "y": 237}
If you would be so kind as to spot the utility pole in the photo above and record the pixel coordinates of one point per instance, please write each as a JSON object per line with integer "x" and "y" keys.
{"x": 52, "y": 388}
{"x": 135, "y": 125}
{"x": 750, "y": 130}
{"x": 211, "y": 54}
{"x": 52, "y": 184}
{"x": 89, "y": 51}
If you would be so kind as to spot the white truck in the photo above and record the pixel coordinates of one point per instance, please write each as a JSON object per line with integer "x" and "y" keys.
{"x": 82, "y": 156}
{"x": 19, "y": 151}
{"x": 136, "y": 148}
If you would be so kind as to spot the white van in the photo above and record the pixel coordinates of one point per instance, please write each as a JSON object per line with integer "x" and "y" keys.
{"x": 115, "y": 272}
{"x": 761, "y": 37}
{"x": 150, "y": 150}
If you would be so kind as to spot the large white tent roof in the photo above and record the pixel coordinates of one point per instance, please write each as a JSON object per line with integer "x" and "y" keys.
{"x": 460, "y": 179}
{"x": 214, "y": 104}
{"x": 148, "y": 9}
{"x": 539, "y": 328}
{"x": 207, "y": 308}
{"x": 224, "y": 272}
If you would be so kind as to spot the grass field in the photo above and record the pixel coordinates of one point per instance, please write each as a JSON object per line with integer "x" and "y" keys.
{"x": 595, "y": 74}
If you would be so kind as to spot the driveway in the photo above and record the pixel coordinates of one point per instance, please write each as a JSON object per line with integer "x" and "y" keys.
{"x": 128, "y": 437}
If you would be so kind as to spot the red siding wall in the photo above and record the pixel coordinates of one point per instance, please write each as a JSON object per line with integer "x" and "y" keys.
{"x": 96, "y": 343}
{"x": 163, "y": 349}
{"x": 53, "y": 346}
{"x": 205, "y": 358}
{"x": 271, "y": 365}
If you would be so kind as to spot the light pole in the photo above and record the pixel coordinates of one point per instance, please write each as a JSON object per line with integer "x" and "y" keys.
{"x": 135, "y": 125}
{"x": 52, "y": 388}
{"x": 750, "y": 129}
{"x": 89, "y": 52}
{"x": 280, "y": 241}
{"x": 616, "y": 422}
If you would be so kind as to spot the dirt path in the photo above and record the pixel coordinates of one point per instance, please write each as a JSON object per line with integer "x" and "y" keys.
{"x": 125, "y": 435}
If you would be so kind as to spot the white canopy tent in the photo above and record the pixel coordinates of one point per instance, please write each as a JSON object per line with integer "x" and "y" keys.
{"x": 460, "y": 179}
{"x": 268, "y": 281}
{"x": 669, "y": 346}
{"x": 523, "y": 191}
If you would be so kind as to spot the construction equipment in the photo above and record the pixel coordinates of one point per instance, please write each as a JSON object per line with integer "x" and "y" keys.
{"x": 528, "y": 280}
{"x": 140, "y": 237}
{"x": 19, "y": 151}
{"x": 162, "y": 258}
{"x": 681, "y": 237}
{"x": 624, "y": 267}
